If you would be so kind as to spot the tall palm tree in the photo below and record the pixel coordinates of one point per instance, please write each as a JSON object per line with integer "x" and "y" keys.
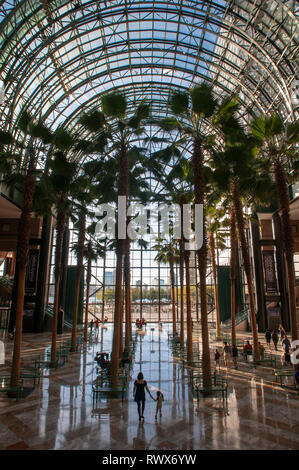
{"x": 278, "y": 144}
{"x": 114, "y": 125}
{"x": 194, "y": 109}
{"x": 92, "y": 251}
{"x": 233, "y": 266}
{"x": 82, "y": 199}
{"x": 167, "y": 253}
{"x": 239, "y": 174}
{"x": 24, "y": 171}
{"x": 216, "y": 239}
{"x": 56, "y": 189}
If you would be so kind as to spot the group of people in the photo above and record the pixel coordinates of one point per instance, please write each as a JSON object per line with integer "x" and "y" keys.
{"x": 95, "y": 324}
{"x": 229, "y": 353}
{"x": 140, "y": 385}
{"x": 140, "y": 322}
{"x": 281, "y": 336}
{"x": 102, "y": 359}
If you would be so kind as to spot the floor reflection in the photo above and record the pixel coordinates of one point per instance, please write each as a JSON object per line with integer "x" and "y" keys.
{"x": 60, "y": 413}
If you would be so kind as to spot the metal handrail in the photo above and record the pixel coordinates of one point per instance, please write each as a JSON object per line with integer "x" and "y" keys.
{"x": 49, "y": 311}
{"x": 240, "y": 317}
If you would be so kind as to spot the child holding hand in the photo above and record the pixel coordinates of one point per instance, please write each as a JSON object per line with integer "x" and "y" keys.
{"x": 159, "y": 401}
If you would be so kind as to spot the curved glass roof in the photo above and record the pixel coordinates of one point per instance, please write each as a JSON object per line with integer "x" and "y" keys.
{"x": 58, "y": 57}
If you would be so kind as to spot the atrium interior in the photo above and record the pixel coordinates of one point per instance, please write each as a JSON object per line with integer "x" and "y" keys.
{"x": 149, "y": 223}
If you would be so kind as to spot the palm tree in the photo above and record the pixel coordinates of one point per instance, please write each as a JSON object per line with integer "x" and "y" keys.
{"x": 121, "y": 130}
{"x": 278, "y": 143}
{"x": 214, "y": 224}
{"x": 240, "y": 175}
{"x": 203, "y": 107}
{"x": 56, "y": 189}
{"x": 83, "y": 197}
{"x": 81, "y": 224}
{"x": 233, "y": 255}
{"x": 91, "y": 252}
{"x": 167, "y": 253}
{"x": 24, "y": 172}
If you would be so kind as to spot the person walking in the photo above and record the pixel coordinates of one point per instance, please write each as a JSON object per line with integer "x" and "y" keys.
{"x": 282, "y": 332}
{"x": 140, "y": 385}
{"x": 217, "y": 356}
{"x": 235, "y": 356}
{"x": 275, "y": 339}
{"x": 159, "y": 400}
{"x": 268, "y": 337}
{"x": 286, "y": 344}
{"x": 97, "y": 325}
{"x": 227, "y": 354}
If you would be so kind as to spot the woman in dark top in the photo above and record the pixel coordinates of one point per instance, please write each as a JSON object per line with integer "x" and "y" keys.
{"x": 139, "y": 393}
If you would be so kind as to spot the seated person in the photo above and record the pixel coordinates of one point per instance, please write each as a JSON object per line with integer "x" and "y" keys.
{"x": 106, "y": 319}
{"x": 126, "y": 358}
{"x": 102, "y": 359}
{"x": 176, "y": 337}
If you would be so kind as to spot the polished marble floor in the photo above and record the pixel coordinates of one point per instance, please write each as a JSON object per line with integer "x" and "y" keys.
{"x": 59, "y": 414}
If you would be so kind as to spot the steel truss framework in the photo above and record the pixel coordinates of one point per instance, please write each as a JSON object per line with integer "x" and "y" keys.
{"x": 58, "y": 57}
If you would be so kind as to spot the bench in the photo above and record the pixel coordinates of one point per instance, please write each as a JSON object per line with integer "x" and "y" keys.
{"x": 193, "y": 364}
{"x": 31, "y": 373}
{"x": 5, "y": 386}
{"x": 46, "y": 364}
{"x": 280, "y": 373}
{"x": 219, "y": 384}
{"x": 60, "y": 357}
{"x": 196, "y": 377}
{"x": 108, "y": 387}
{"x": 266, "y": 359}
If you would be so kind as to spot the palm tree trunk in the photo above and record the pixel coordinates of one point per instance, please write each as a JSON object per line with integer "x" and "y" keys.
{"x": 81, "y": 242}
{"x": 117, "y": 311}
{"x": 188, "y": 305}
{"x": 233, "y": 250}
{"x": 212, "y": 251}
{"x": 288, "y": 242}
{"x": 171, "y": 269}
{"x": 22, "y": 256}
{"x": 128, "y": 325}
{"x": 247, "y": 266}
{"x": 199, "y": 198}
{"x": 181, "y": 244}
{"x": 88, "y": 279}
{"x": 60, "y": 228}
{"x": 123, "y": 190}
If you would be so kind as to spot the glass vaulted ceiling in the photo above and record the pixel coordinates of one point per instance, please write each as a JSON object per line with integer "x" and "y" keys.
{"x": 58, "y": 57}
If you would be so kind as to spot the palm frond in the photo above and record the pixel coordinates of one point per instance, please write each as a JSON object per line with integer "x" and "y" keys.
{"x": 114, "y": 105}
